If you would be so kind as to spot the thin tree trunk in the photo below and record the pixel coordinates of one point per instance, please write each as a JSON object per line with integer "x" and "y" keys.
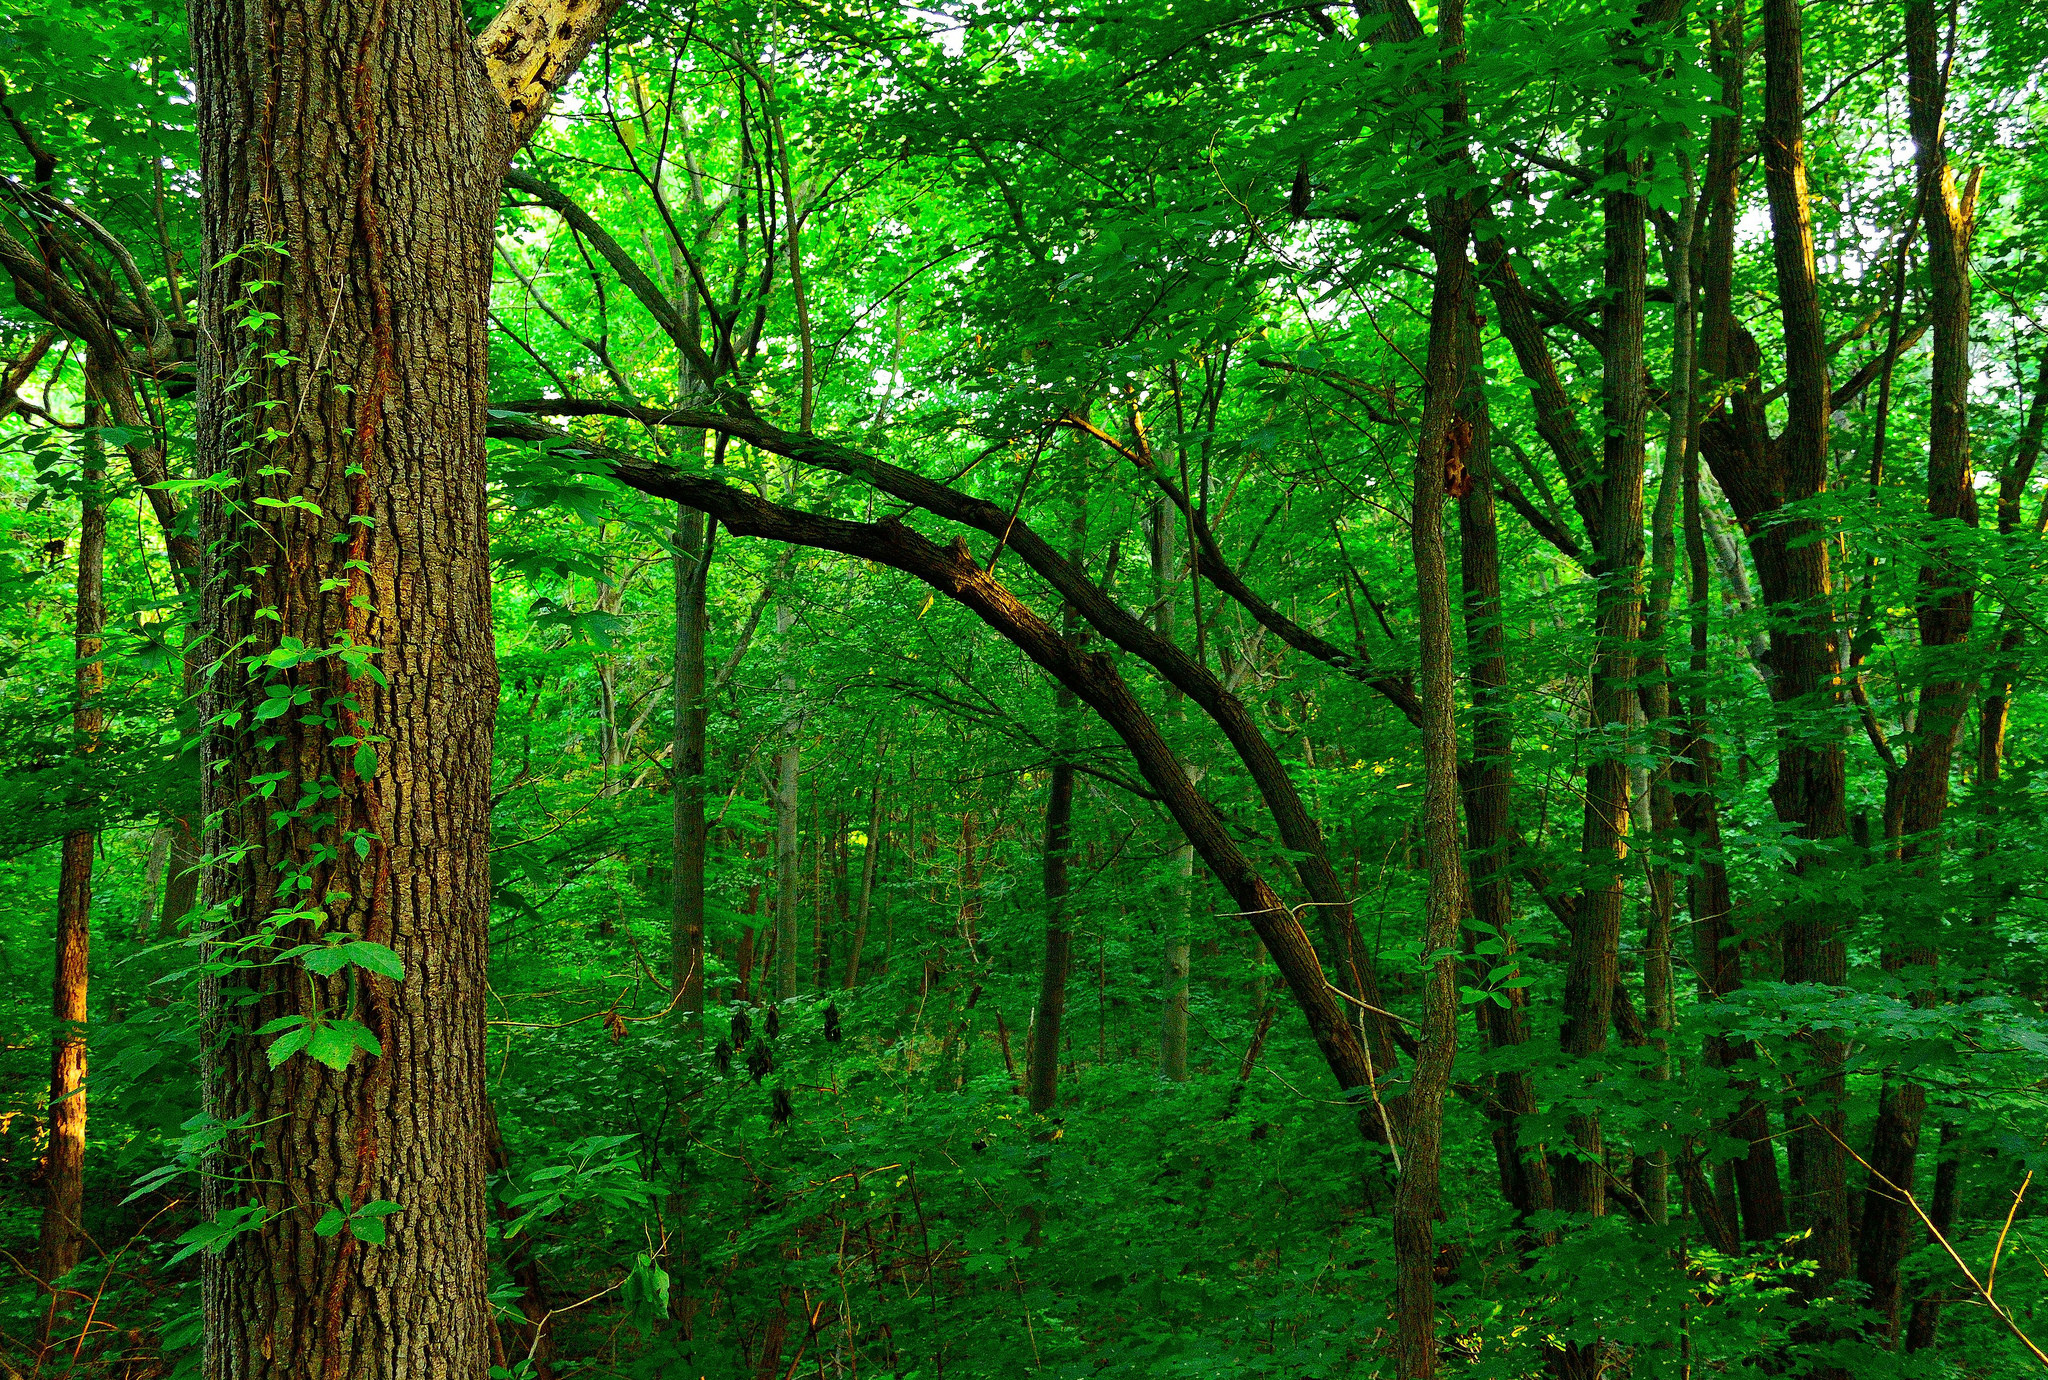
{"x": 1489, "y": 806}
{"x": 1945, "y": 615}
{"x": 1618, "y": 557}
{"x": 1042, "y": 1075}
{"x": 1173, "y": 1016}
{"x": 871, "y": 857}
{"x": 1439, "y": 466}
{"x": 786, "y": 764}
{"x": 63, "y": 1233}
{"x": 686, "y": 898}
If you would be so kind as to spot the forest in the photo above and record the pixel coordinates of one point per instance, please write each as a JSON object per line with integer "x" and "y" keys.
{"x": 1151, "y": 688}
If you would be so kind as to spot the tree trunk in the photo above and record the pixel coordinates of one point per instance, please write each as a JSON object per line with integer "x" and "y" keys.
{"x": 1945, "y": 615}
{"x": 1173, "y": 1016}
{"x": 1759, "y": 1195}
{"x": 1439, "y": 466}
{"x": 1793, "y": 566}
{"x": 1618, "y": 557}
{"x": 1042, "y": 1075}
{"x": 686, "y": 899}
{"x": 64, "y": 1158}
{"x": 786, "y": 763}
{"x": 352, "y": 157}
{"x": 871, "y": 857}
{"x": 1489, "y": 782}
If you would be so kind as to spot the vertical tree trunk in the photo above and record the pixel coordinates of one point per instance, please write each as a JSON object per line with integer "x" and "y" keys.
{"x": 871, "y": 857}
{"x": 352, "y": 157}
{"x": 1489, "y": 802}
{"x": 1810, "y": 791}
{"x": 786, "y": 763}
{"x": 1173, "y": 1016}
{"x": 1618, "y": 558}
{"x": 64, "y": 1157}
{"x": 1439, "y": 457}
{"x": 1945, "y": 614}
{"x": 1659, "y": 995}
{"x": 686, "y": 899}
{"x": 1042, "y": 1074}
{"x": 1710, "y": 901}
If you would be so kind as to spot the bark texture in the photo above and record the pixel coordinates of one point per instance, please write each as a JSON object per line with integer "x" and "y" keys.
{"x": 352, "y": 155}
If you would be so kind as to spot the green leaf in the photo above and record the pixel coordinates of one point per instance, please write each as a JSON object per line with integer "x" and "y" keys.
{"x": 285, "y": 1046}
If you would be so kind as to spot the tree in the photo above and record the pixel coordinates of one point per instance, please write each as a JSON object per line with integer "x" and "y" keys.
{"x": 353, "y": 684}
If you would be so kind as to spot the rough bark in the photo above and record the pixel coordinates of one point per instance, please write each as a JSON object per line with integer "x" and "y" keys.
{"x": 352, "y": 156}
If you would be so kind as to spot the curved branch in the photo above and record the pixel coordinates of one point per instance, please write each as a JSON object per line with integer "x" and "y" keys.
{"x": 1092, "y": 677}
{"x": 1298, "y": 830}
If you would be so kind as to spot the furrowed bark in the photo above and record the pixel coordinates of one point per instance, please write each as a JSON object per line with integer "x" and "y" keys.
{"x": 378, "y": 180}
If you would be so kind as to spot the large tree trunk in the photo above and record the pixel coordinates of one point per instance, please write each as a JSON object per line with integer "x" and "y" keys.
{"x": 64, "y": 1155}
{"x": 1945, "y": 614}
{"x": 352, "y": 156}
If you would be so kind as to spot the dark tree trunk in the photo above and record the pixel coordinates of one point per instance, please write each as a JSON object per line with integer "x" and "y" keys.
{"x": 686, "y": 899}
{"x": 1043, "y": 1071}
{"x": 1488, "y": 782}
{"x": 1945, "y": 615}
{"x": 1439, "y": 467}
{"x": 1618, "y": 558}
{"x": 1809, "y": 791}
